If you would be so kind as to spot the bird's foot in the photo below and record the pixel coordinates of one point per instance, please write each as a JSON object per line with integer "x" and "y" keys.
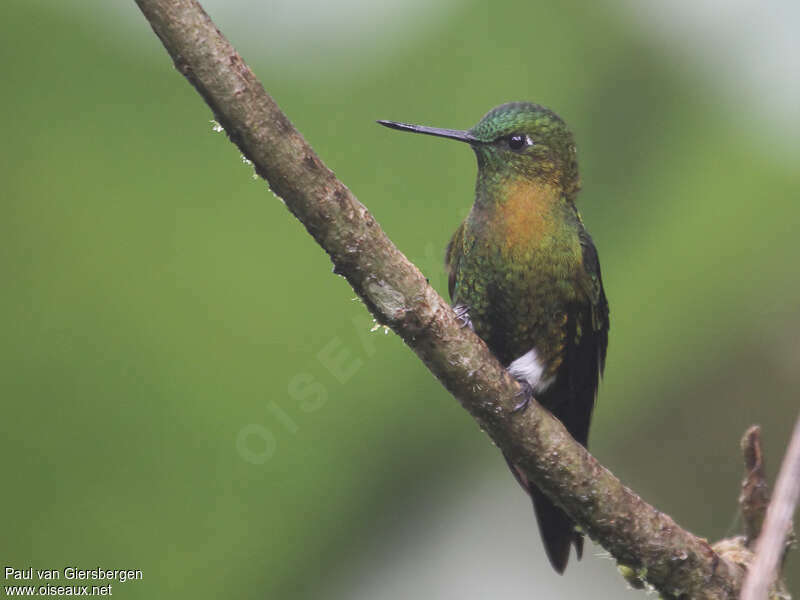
{"x": 462, "y": 315}
{"x": 526, "y": 395}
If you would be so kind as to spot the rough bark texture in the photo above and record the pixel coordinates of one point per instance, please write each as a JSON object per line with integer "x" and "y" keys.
{"x": 754, "y": 498}
{"x": 649, "y": 543}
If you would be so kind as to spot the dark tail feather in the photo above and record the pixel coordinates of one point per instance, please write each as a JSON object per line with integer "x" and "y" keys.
{"x": 557, "y": 530}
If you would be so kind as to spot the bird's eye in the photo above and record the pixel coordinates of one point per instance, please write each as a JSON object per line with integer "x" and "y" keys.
{"x": 518, "y": 141}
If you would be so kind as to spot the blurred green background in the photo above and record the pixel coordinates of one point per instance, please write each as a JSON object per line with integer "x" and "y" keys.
{"x": 167, "y": 327}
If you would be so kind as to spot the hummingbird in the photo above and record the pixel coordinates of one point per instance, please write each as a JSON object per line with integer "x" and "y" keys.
{"x": 524, "y": 274}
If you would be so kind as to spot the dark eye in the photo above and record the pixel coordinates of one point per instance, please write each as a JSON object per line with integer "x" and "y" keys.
{"x": 518, "y": 141}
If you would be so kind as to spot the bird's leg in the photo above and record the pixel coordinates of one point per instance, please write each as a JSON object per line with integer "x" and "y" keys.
{"x": 462, "y": 315}
{"x": 526, "y": 393}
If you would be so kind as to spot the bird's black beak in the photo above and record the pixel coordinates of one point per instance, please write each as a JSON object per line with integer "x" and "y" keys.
{"x": 453, "y": 134}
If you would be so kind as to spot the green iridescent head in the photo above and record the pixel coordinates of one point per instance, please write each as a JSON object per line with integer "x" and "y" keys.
{"x": 518, "y": 139}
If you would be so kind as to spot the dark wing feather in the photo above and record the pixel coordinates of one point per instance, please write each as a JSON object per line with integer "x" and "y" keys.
{"x": 597, "y": 295}
{"x": 586, "y": 350}
{"x": 451, "y": 257}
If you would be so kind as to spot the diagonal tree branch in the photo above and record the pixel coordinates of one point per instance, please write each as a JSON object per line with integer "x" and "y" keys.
{"x": 772, "y": 543}
{"x": 649, "y": 543}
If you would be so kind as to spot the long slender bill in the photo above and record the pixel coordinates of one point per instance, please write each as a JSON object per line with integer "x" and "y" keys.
{"x": 453, "y": 134}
